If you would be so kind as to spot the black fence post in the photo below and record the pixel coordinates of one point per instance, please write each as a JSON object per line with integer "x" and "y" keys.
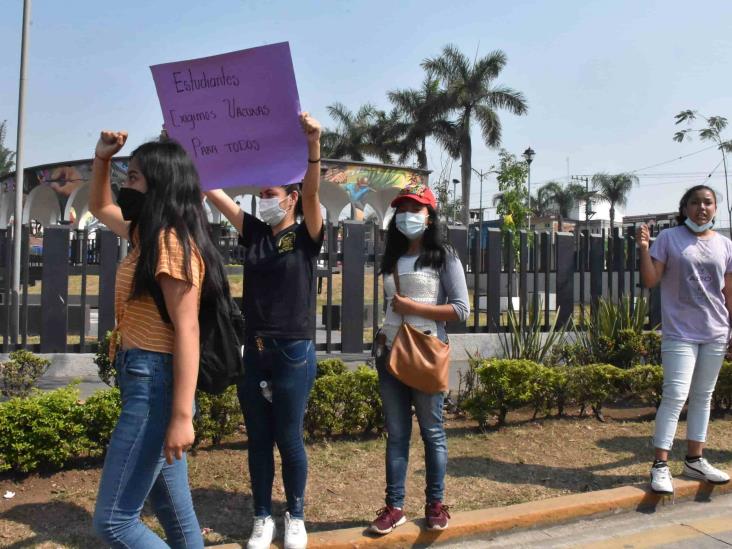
{"x": 523, "y": 278}
{"x": 108, "y": 249}
{"x": 493, "y": 279}
{"x": 55, "y": 289}
{"x": 565, "y": 277}
{"x": 354, "y": 263}
{"x": 458, "y": 238}
{"x": 597, "y": 261}
{"x": 546, "y": 265}
{"x": 619, "y": 259}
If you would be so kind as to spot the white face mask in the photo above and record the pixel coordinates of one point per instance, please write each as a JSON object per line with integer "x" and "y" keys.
{"x": 271, "y": 212}
{"x": 411, "y": 225}
{"x": 699, "y": 228}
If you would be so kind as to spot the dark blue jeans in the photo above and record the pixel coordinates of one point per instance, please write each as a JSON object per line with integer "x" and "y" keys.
{"x": 135, "y": 466}
{"x": 398, "y": 399}
{"x": 289, "y": 364}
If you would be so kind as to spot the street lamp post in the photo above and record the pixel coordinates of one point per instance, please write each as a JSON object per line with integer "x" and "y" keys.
{"x": 454, "y": 200}
{"x": 529, "y": 157}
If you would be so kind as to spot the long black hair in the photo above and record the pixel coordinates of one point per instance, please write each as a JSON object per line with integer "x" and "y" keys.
{"x": 681, "y": 217}
{"x": 434, "y": 245}
{"x": 173, "y": 202}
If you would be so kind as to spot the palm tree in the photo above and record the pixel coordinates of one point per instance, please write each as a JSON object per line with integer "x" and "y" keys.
{"x": 7, "y": 157}
{"x": 560, "y": 200}
{"x": 358, "y": 135}
{"x": 421, "y": 115}
{"x": 614, "y": 189}
{"x": 472, "y": 94}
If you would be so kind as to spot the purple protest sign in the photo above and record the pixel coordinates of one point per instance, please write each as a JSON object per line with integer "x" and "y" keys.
{"x": 237, "y": 116}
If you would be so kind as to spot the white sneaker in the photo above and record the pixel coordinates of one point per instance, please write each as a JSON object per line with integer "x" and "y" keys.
{"x": 661, "y": 481}
{"x": 702, "y": 470}
{"x": 263, "y": 532}
{"x": 295, "y": 535}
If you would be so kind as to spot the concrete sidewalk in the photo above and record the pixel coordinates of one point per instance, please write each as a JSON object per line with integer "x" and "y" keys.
{"x": 472, "y": 528}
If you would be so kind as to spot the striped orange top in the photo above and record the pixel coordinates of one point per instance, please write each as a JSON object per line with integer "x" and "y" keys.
{"x": 139, "y": 324}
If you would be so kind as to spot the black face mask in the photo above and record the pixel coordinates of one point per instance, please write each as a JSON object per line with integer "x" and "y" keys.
{"x": 130, "y": 202}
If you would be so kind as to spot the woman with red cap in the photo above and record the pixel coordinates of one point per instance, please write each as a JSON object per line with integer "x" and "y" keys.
{"x": 432, "y": 291}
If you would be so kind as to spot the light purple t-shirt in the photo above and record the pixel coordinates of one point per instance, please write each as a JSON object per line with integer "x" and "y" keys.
{"x": 692, "y": 303}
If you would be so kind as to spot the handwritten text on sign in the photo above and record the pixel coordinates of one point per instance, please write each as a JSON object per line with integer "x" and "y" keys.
{"x": 237, "y": 116}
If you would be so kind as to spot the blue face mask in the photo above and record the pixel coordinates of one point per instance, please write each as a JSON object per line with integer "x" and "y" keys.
{"x": 411, "y": 225}
{"x": 699, "y": 228}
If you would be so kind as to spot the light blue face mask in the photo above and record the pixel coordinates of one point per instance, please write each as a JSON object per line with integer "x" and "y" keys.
{"x": 411, "y": 225}
{"x": 699, "y": 228}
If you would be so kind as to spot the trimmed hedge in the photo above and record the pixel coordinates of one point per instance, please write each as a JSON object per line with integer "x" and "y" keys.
{"x": 503, "y": 385}
{"x": 48, "y": 430}
{"x": 344, "y": 402}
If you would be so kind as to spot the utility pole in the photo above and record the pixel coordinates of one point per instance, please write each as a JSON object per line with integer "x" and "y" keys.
{"x": 588, "y": 205}
{"x": 19, "y": 184}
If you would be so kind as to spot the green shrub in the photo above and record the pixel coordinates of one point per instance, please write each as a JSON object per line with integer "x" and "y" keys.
{"x": 105, "y": 367}
{"x": 594, "y": 385}
{"x": 43, "y": 431}
{"x": 331, "y": 366}
{"x": 218, "y": 416}
{"x": 505, "y": 385}
{"x": 99, "y": 415}
{"x": 530, "y": 342}
{"x": 19, "y": 374}
{"x": 345, "y": 403}
{"x": 613, "y": 335}
{"x": 646, "y": 383}
{"x": 722, "y": 398}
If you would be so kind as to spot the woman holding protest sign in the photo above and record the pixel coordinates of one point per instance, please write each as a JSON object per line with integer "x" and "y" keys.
{"x": 424, "y": 286}
{"x": 693, "y": 264}
{"x": 279, "y": 308}
{"x": 173, "y": 261}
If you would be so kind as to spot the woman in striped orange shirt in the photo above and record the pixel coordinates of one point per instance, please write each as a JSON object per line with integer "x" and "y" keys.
{"x": 160, "y": 210}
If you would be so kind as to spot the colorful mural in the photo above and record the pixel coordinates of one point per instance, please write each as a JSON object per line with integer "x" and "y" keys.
{"x": 358, "y": 180}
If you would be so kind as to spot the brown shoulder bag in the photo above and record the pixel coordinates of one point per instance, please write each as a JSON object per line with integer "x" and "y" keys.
{"x": 419, "y": 360}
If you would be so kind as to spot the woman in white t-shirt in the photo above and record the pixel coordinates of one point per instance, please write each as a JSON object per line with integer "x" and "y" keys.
{"x": 693, "y": 264}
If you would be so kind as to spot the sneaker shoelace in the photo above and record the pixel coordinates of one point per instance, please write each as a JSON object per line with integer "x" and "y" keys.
{"x": 444, "y": 509}
{"x": 386, "y": 512}
{"x": 294, "y": 526}
{"x": 258, "y": 529}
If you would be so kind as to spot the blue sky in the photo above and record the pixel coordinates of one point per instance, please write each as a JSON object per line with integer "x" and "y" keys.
{"x": 603, "y": 79}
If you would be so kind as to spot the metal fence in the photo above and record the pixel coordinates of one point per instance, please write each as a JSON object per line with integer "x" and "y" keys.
{"x": 539, "y": 275}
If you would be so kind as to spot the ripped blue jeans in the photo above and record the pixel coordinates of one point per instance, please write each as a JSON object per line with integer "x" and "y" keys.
{"x": 289, "y": 366}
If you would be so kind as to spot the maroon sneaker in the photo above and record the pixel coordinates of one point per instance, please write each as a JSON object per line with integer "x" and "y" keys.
{"x": 387, "y": 519}
{"x": 436, "y": 515}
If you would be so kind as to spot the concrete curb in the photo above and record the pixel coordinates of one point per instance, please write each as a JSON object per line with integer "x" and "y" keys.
{"x": 484, "y": 522}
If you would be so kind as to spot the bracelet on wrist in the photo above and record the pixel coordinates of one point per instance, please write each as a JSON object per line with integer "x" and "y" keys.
{"x": 101, "y": 158}
{"x": 313, "y": 161}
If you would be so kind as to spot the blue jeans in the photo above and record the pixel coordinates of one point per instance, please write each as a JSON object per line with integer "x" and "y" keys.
{"x": 135, "y": 466}
{"x": 289, "y": 364}
{"x": 398, "y": 399}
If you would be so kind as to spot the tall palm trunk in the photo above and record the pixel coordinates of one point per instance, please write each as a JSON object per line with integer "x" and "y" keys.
{"x": 422, "y": 154}
{"x": 612, "y": 217}
{"x": 466, "y": 155}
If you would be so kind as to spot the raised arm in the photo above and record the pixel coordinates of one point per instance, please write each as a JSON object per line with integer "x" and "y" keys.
{"x": 312, "y": 214}
{"x": 228, "y": 208}
{"x": 651, "y": 271}
{"x": 101, "y": 202}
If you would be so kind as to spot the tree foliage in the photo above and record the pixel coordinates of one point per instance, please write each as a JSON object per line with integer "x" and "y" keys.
{"x": 7, "y": 157}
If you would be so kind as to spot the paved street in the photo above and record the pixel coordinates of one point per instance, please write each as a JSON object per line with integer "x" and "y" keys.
{"x": 694, "y": 524}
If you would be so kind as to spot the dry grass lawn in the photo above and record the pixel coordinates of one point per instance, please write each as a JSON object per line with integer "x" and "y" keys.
{"x": 527, "y": 460}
